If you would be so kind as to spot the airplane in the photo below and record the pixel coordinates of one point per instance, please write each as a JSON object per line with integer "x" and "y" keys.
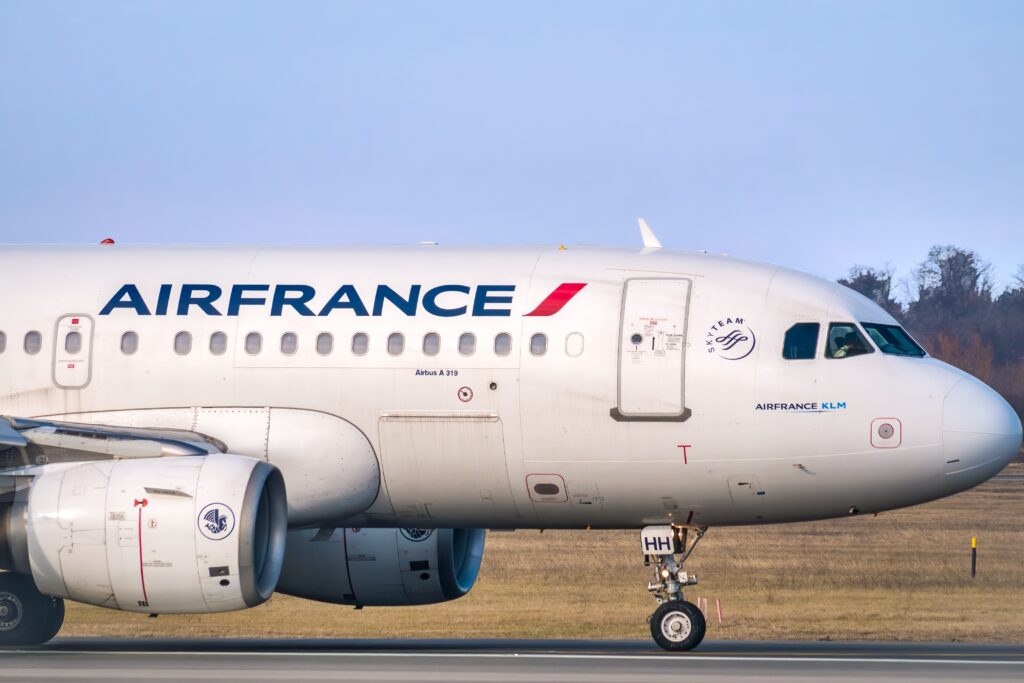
{"x": 190, "y": 429}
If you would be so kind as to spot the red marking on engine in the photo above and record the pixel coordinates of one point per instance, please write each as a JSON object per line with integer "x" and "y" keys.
{"x": 142, "y": 571}
{"x": 684, "y": 446}
{"x": 557, "y": 299}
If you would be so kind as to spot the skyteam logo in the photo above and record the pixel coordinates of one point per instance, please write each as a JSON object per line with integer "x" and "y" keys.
{"x": 442, "y": 301}
{"x": 730, "y": 338}
{"x": 416, "y": 535}
{"x": 216, "y": 521}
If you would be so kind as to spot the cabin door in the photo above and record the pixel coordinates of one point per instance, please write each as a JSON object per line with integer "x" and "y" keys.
{"x": 72, "y": 352}
{"x": 652, "y": 346}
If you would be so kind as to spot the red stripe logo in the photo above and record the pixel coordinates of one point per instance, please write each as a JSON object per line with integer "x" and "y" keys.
{"x": 557, "y": 299}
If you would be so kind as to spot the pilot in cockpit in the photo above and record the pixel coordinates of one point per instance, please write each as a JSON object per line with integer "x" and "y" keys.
{"x": 852, "y": 345}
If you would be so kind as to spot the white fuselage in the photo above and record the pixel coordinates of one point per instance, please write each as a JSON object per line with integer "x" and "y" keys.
{"x": 702, "y": 420}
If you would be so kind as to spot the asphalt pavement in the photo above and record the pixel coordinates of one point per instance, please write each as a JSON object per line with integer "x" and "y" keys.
{"x": 248, "y": 660}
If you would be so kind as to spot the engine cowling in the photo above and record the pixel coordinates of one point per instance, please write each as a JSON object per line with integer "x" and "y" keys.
{"x": 164, "y": 535}
{"x": 382, "y": 567}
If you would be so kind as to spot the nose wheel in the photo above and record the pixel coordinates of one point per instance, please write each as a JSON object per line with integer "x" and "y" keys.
{"x": 27, "y": 617}
{"x": 676, "y": 625}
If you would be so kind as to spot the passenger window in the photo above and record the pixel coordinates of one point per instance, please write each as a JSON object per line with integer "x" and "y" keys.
{"x": 73, "y": 342}
{"x": 431, "y": 344}
{"x": 893, "y": 339}
{"x": 289, "y": 343}
{"x": 503, "y": 344}
{"x": 3, "y": 342}
{"x": 129, "y": 343}
{"x": 467, "y": 344}
{"x": 360, "y": 343}
{"x": 218, "y": 343}
{"x": 574, "y": 344}
{"x": 182, "y": 343}
{"x": 253, "y": 343}
{"x": 539, "y": 344}
{"x": 33, "y": 342}
{"x": 396, "y": 344}
{"x": 324, "y": 343}
{"x": 801, "y": 341}
{"x": 846, "y": 341}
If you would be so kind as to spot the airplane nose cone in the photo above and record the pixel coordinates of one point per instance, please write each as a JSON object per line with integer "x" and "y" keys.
{"x": 981, "y": 433}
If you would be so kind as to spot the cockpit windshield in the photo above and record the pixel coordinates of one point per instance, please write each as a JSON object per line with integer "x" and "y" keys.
{"x": 893, "y": 339}
{"x": 846, "y": 341}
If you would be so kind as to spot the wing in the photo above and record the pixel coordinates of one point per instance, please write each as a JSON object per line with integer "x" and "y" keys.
{"x": 32, "y": 442}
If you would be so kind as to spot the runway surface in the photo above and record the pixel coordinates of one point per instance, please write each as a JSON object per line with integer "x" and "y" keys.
{"x": 228, "y": 660}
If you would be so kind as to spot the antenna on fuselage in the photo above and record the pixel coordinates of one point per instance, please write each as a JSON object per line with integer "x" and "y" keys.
{"x": 647, "y": 235}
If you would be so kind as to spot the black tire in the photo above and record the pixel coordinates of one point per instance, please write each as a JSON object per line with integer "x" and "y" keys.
{"x": 678, "y": 626}
{"x": 27, "y": 617}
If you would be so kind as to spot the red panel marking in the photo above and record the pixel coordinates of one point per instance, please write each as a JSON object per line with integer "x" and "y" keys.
{"x": 684, "y": 446}
{"x": 74, "y": 321}
{"x": 871, "y": 431}
{"x": 557, "y": 299}
{"x": 142, "y": 573}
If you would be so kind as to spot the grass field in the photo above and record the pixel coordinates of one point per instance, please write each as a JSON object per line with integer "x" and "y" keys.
{"x": 902, "y": 575}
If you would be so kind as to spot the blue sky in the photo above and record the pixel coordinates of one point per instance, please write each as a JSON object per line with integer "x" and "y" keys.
{"x": 812, "y": 134}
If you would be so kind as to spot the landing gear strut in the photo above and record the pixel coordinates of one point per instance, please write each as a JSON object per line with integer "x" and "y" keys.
{"x": 676, "y": 625}
{"x": 27, "y": 617}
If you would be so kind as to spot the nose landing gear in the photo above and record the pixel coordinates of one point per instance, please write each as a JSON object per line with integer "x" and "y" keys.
{"x": 676, "y": 625}
{"x": 27, "y": 617}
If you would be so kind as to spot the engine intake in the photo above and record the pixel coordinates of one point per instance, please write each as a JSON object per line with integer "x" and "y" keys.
{"x": 380, "y": 567}
{"x": 168, "y": 535}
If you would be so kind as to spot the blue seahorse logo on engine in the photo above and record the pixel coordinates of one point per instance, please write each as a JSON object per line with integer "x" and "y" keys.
{"x": 416, "y": 535}
{"x": 216, "y": 521}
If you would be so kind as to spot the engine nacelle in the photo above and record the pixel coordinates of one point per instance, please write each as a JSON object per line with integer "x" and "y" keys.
{"x": 380, "y": 567}
{"x": 163, "y": 535}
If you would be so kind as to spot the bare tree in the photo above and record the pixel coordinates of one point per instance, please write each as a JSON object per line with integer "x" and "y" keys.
{"x": 953, "y": 280}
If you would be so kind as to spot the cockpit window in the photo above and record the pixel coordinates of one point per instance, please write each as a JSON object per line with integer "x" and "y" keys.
{"x": 893, "y": 339}
{"x": 801, "y": 341}
{"x": 846, "y": 341}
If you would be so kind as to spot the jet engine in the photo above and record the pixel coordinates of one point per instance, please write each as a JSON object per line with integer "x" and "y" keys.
{"x": 381, "y": 567}
{"x": 183, "y": 534}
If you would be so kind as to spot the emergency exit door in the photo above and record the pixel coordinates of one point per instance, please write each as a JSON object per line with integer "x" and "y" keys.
{"x": 652, "y": 346}
{"x": 72, "y": 352}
